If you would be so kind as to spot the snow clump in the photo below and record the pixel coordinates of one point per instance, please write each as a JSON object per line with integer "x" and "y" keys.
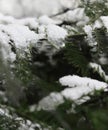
{"x": 77, "y": 91}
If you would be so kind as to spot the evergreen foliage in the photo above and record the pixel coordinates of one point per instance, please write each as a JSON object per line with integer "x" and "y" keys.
{"x": 39, "y": 74}
{"x": 95, "y": 10}
{"x": 77, "y": 53}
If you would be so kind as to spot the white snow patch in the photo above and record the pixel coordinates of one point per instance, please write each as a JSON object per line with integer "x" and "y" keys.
{"x": 98, "y": 68}
{"x": 76, "y": 81}
{"x": 97, "y": 24}
{"x": 56, "y": 34}
{"x": 36, "y": 7}
{"x": 23, "y": 32}
{"x": 80, "y": 86}
{"x": 70, "y": 3}
{"x": 88, "y": 30}
{"x": 2, "y": 112}
{"x": 50, "y": 102}
{"x": 45, "y": 20}
{"x": 6, "y": 19}
{"x": 21, "y": 35}
{"x": 77, "y": 16}
{"x": 105, "y": 21}
{"x": 77, "y": 92}
{"x": 32, "y": 23}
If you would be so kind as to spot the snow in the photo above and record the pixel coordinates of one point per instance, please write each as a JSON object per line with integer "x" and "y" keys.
{"x": 97, "y": 68}
{"x": 92, "y": 42}
{"x": 80, "y": 86}
{"x": 6, "y": 19}
{"x": 97, "y": 24}
{"x": 32, "y": 23}
{"x": 28, "y": 125}
{"x": 56, "y": 34}
{"x": 88, "y": 30}
{"x": 7, "y": 6}
{"x": 50, "y": 102}
{"x": 75, "y": 16}
{"x": 32, "y": 108}
{"x": 22, "y": 33}
{"x": 78, "y": 90}
{"x": 105, "y": 21}
{"x": 53, "y": 33}
{"x": 24, "y": 124}
{"x": 5, "y": 112}
{"x": 75, "y": 93}
{"x": 76, "y": 81}
{"x": 102, "y": 21}
{"x": 28, "y": 31}
{"x": 72, "y": 4}
{"x": 5, "y": 48}
{"x": 103, "y": 60}
{"x": 42, "y": 29}
{"x": 45, "y": 20}
{"x": 18, "y": 35}
{"x": 2, "y": 112}
{"x": 35, "y": 7}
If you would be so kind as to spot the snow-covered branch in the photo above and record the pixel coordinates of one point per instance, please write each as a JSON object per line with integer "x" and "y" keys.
{"x": 78, "y": 91}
